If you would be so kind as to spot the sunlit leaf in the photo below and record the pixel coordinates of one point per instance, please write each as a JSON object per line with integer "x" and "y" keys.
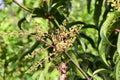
{"x": 117, "y": 70}
{"x": 82, "y": 44}
{"x": 115, "y": 57}
{"x": 105, "y": 30}
{"x": 118, "y": 44}
{"x": 96, "y": 77}
{"x": 102, "y": 48}
{"x": 99, "y": 70}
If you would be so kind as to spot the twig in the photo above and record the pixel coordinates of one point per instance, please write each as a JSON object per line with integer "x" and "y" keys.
{"x": 80, "y": 69}
{"x": 23, "y": 7}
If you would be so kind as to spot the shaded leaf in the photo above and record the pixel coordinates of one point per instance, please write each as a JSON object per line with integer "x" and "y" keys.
{"x": 74, "y": 23}
{"x": 88, "y": 38}
{"x": 118, "y": 44}
{"x": 57, "y": 15}
{"x": 90, "y": 26}
{"x": 97, "y": 11}
{"x": 107, "y": 10}
{"x": 73, "y": 57}
{"x": 39, "y": 12}
{"x": 20, "y": 23}
{"x": 88, "y": 5}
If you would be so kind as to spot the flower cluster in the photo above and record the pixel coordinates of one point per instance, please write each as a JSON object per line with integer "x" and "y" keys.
{"x": 64, "y": 38}
{"x": 60, "y": 41}
{"x": 115, "y": 4}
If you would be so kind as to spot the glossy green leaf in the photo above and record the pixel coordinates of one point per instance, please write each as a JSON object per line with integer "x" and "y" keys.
{"x": 107, "y": 27}
{"x": 99, "y": 70}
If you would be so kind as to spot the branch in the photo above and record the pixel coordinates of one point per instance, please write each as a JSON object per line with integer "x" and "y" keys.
{"x": 23, "y": 7}
{"x": 79, "y": 68}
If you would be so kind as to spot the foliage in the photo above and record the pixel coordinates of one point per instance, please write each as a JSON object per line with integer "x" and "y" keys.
{"x": 83, "y": 34}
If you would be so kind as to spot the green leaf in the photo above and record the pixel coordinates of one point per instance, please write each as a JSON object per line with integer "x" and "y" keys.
{"x": 30, "y": 50}
{"x": 89, "y": 72}
{"x": 115, "y": 57}
{"x": 39, "y": 12}
{"x": 118, "y": 44}
{"x": 81, "y": 23}
{"x": 57, "y": 15}
{"x": 74, "y": 23}
{"x": 20, "y": 23}
{"x": 99, "y": 70}
{"x": 88, "y": 38}
{"x": 102, "y": 48}
{"x": 96, "y": 77}
{"x": 117, "y": 70}
{"x": 62, "y": 3}
{"x": 88, "y": 5}
{"x": 107, "y": 27}
{"x": 28, "y": 18}
{"x": 82, "y": 44}
{"x": 97, "y": 11}
{"x": 72, "y": 55}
